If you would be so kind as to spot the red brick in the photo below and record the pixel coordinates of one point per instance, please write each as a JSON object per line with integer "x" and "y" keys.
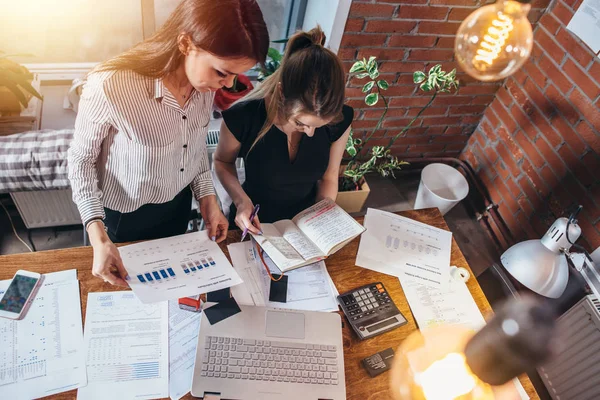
{"x": 507, "y": 159}
{"x": 589, "y": 232}
{"x": 581, "y": 54}
{"x": 478, "y": 109}
{"x": 591, "y": 161}
{"x": 582, "y": 196}
{"x": 581, "y": 79}
{"x": 489, "y": 131}
{"x": 354, "y": 92}
{"x": 413, "y": 111}
{"x": 399, "y": 122}
{"x": 392, "y": 113}
{"x": 506, "y": 119}
{"x": 585, "y": 107}
{"x": 567, "y": 110}
{"x": 530, "y": 192}
{"x": 381, "y": 54}
{"x": 563, "y": 13}
{"x": 549, "y": 177}
{"x": 537, "y": 182}
{"x": 514, "y": 189}
{"x": 549, "y": 22}
{"x": 459, "y": 14}
{"x": 363, "y": 39}
{"x": 470, "y": 119}
{"x": 430, "y": 55}
{"x": 504, "y": 97}
{"x": 510, "y": 143}
{"x": 427, "y": 148}
{"x": 554, "y": 161}
{"x": 445, "y": 43}
{"x": 455, "y": 2}
{"x": 594, "y": 71}
{"x": 452, "y": 101}
{"x": 356, "y": 82}
{"x": 491, "y": 155}
{"x": 524, "y": 122}
{"x": 590, "y": 135}
{"x": 478, "y": 89}
{"x": 453, "y": 149}
{"x": 529, "y": 149}
{"x": 554, "y": 72}
{"x": 534, "y": 73}
{"x": 422, "y": 12}
{"x": 485, "y": 100}
{"x": 414, "y": 140}
{"x": 508, "y": 198}
{"x": 391, "y": 66}
{"x": 546, "y": 129}
{"x": 390, "y": 26}
{"x": 516, "y": 92}
{"x": 550, "y": 46}
{"x": 501, "y": 170}
{"x": 407, "y": 101}
{"x": 569, "y": 134}
{"x": 524, "y": 223}
{"x": 492, "y": 118}
{"x": 354, "y": 24}
{"x": 438, "y": 28}
{"x": 441, "y": 121}
{"x": 576, "y": 166}
{"x": 403, "y": 2}
{"x": 412, "y": 41}
{"x": 371, "y": 10}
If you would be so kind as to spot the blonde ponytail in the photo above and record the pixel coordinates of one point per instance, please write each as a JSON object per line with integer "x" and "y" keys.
{"x": 312, "y": 81}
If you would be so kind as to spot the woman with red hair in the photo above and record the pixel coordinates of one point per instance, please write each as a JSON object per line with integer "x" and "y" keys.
{"x": 139, "y": 149}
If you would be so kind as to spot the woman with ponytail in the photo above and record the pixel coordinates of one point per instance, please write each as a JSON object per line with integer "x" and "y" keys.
{"x": 291, "y": 133}
{"x": 139, "y": 150}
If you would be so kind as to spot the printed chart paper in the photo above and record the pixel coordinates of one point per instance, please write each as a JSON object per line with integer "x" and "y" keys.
{"x": 398, "y": 246}
{"x": 127, "y": 348}
{"x": 43, "y": 353}
{"x": 178, "y": 266}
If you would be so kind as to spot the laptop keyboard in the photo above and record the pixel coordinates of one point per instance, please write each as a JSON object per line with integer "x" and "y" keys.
{"x": 261, "y": 360}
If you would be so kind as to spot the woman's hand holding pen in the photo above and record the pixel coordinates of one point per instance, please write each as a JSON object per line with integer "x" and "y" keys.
{"x": 242, "y": 218}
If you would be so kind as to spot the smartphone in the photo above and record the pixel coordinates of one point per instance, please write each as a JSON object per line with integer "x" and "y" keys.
{"x": 19, "y": 294}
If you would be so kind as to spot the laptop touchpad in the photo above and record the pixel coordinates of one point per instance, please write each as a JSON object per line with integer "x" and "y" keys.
{"x": 285, "y": 324}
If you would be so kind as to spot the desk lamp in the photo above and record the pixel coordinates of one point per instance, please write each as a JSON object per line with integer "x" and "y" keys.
{"x": 455, "y": 363}
{"x": 542, "y": 265}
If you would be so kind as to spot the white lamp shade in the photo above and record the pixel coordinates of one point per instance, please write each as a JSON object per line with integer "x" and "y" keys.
{"x": 536, "y": 267}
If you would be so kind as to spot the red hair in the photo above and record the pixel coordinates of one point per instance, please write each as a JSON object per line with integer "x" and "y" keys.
{"x": 225, "y": 28}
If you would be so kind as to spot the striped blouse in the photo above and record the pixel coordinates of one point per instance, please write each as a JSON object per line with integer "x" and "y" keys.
{"x": 135, "y": 145}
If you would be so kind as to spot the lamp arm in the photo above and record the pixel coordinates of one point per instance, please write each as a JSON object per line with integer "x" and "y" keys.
{"x": 588, "y": 270}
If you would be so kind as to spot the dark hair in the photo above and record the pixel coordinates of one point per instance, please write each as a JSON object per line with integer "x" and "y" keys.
{"x": 312, "y": 81}
{"x": 225, "y": 28}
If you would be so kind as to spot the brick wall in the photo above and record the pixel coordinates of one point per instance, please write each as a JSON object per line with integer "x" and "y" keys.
{"x": 407, "y": 36}
{"x": 537, "y": 148}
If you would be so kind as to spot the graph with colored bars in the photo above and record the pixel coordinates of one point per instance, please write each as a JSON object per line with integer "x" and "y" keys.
{"x": 395, "y": 243}
{"x": 162, "y": 274}
{"x": 190, "y": 267}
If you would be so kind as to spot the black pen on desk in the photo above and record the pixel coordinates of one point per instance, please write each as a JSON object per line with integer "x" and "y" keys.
{"x": 254, "y": 213}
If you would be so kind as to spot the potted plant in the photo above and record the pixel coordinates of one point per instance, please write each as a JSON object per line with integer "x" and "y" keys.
{"x": 225, "y": 97}
{"x": 15, "y": 87}
{"x": 353, "y": 188}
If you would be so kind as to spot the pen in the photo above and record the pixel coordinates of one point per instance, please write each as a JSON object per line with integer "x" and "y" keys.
{"x": 254, "y": 212}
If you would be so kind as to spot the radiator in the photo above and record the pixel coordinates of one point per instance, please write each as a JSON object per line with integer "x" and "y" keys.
{"x": 46, "y": 208}
{"x": 574, "y": 373}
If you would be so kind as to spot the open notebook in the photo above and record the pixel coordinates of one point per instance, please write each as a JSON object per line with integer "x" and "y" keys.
{"x": 310, "y": 236}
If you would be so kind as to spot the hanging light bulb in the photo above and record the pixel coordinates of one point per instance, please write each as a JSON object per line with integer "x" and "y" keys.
{"x": 495, "y": 40}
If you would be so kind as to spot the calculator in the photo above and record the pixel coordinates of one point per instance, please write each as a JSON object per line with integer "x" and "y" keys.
{"x": 370, "y": 310}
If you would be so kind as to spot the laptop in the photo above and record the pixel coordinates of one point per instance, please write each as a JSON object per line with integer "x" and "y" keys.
{"x": 264, "y": 353}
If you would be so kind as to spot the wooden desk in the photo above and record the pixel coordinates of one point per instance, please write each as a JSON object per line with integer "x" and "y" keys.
{"x": 345, "y": 275}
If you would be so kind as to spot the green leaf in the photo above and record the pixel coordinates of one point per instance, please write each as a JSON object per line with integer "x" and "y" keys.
{"x": 419, "y": 76}
{"x": 23, "y": 81}
{"x": 426, "y": 87}
{"x": 15, "y": 90}
{"x": 371, "y": 99}
{"x": 274, "y": 54}
{"x": 374, "y": 75}
{"x": 383, "y": 85}
{"x": 368, "y": 86}
{"x": 351, "y": 151}
{"x": 371, "y": 62}
{"x": 436, "y": 69}
{"x": 363, "y": 75}
{"x": 358, "y": 66}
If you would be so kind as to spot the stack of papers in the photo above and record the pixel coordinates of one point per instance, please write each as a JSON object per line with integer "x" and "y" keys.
{"x": 43, "y": 353}
{"x": 400, "y": 246}
{"x": 309, "y": 288}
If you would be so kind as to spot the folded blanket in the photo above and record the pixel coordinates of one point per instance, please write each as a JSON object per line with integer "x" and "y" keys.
{"x": 34, "y": 160}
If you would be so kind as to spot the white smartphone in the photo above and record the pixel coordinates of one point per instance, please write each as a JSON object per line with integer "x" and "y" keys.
{"x": 19, "y": 294}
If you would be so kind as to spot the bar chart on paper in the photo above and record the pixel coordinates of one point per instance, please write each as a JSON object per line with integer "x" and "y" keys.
{"x": 178, "y": 266}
